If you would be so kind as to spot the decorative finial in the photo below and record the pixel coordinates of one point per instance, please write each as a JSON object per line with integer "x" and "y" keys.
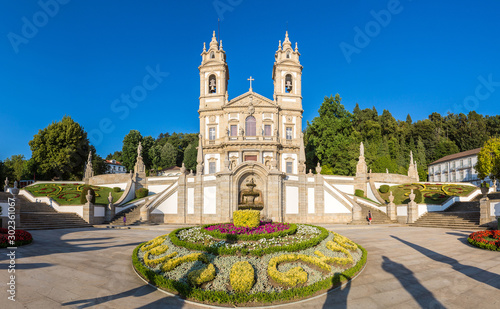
{"x": 250, "y": 79}
{"x": 296, "y": 47}
{"x": 220, "y": 44}
{"x": 214, "y": 34}
{"x": 286, "y": 35}
{"x": 279, "y": 46}
{"x": 204, "y": 46}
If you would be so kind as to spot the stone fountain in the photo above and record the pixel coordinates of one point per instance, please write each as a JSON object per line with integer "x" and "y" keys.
{"x": 251, "y": 198}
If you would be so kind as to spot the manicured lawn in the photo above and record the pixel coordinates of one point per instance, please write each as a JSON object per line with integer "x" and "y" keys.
{"x": 69, "y": 193}
{"x": 431, "y": 193}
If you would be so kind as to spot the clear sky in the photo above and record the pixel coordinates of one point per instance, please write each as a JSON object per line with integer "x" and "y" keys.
{"x": 78, "y": 57}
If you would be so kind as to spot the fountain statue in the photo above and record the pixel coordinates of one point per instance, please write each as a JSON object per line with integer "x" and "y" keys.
{"x": 251, "y": 198}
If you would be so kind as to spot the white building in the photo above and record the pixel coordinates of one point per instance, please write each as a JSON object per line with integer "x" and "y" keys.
{"x": 458, "y": 167}
{"x": 114, "y": 167}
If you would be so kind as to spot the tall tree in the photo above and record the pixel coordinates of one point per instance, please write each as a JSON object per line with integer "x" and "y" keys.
{"x": 488, "y": 160}
{"x": 168, "y": 155}
{"x": 330, "y": 133}
{"x": 155, "y": 156}
{"x": 15, "y": 167}
{"x": 129, "y": 150}
{"x": 61, "y": 150}
{"x": 117, "y": 155}
{"x": 190, "y": 155}
{"x": 147, "y": 143}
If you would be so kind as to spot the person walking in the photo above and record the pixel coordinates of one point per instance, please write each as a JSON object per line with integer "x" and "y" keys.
{"x": 124, "y": 219}
{"x": 369, "y": 217}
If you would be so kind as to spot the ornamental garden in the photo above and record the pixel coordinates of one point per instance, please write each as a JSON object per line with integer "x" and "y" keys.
{"x": 248, "y": 262}
{"x": 425, "y": 192}
{"x": 72, "y": 193}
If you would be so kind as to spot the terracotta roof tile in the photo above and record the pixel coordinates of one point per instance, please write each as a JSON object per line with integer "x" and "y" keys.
{"x": 459, "y": 155}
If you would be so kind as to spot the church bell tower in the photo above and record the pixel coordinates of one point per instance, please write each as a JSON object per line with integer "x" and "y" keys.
{"x": 214, "y": 75}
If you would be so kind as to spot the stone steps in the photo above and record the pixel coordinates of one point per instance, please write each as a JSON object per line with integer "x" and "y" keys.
{"x": 133, "y": 216}
{"x": 378, "y": 217}
{"x": 40, "y": 216}
{"x": 467, "y": 219}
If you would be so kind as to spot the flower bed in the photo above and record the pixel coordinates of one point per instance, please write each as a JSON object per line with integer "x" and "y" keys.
{"x": 264, "y": 230}
{"x": 202, "y": 268}
{"x": 432, "y": 193}
{"x": 21, "y": 238}
{"x": 485, "y": 240}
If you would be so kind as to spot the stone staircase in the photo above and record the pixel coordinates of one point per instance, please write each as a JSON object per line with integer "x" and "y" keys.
{"x": 133, "y": 216}
{"x": 378, "y": 217}
{"x": 40, "y": 216}
{"x": 461, "y": 215}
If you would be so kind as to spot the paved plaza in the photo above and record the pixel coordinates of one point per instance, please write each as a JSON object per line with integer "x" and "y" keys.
{"x": 408, "y": 267}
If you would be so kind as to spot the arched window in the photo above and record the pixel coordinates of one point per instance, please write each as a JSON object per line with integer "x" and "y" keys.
{"x": 288, "y": 83}
{"x": 212, "y": 55}
{"x": 250, "y": 126}
{"x": 212, "y": 84}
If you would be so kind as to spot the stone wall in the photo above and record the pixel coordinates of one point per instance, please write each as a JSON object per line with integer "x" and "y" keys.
{"x": 109, "y": 179}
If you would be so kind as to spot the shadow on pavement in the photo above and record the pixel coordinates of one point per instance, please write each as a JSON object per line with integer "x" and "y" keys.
{"x": 338, "y": 298}
{"x": 406, "y": 277}
{"x": 472, "y": 272}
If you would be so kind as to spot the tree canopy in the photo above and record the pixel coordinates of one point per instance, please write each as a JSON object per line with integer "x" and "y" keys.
{"x": 488, "y": 160}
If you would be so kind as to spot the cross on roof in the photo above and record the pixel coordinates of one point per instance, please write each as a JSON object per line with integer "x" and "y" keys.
{"x": 250, "y": 79}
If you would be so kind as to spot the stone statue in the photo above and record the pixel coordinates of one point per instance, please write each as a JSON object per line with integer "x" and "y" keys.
{"x": 15, "y": 184}
{"x": 318, "y": 169}
{"x": 361, "y": 150}
{"x": 411, "y": 157}
{"x": 391, "y": 197}
{"x": 412, "y": 196}
{"x": 90, "y": 157}
{"x": 6, "y": 187}
{"x": 191, "y": 173}
{"x": 387, "y": 171}
{"x": 310, "y": 172}
{"x": 242, "y": 132}
{"x": 110, "y": 198}
{"x": 139, "y": 149}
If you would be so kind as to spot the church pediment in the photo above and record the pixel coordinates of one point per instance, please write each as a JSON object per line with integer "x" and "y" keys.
{"x": 250, "y": 98}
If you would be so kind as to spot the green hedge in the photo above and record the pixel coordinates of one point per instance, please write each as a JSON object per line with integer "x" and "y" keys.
{"x": 219, "y": 297}
{"x": 257, "y": 252}
{"x": 359, "y": 193}
{"x": 216, "y": 234}
{"x": 142, "y": 192}
{"x": 83, "y": 198}
{"x": 117, "y": 189}
{"x": 482, "y": 245}
{"x": 384, "y": 189}
{"x": 418, "y": 196}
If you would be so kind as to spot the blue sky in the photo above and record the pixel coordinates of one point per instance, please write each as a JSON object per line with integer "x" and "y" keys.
{"x": 77, "y": 57}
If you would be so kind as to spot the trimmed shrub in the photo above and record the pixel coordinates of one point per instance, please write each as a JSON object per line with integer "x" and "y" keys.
{"x": 171, "y": 264}
{"x": 117, "y": 189}
{"x": 200, "y": 276}
{"x": 384, "y": 189}
{"x": 418, "y": 196}
{"x": 142, "y": 192}
{"x": 248, "y": 218}
{"x": 242, "y": 277}
{"x": 359, "y": 193}
{"x": 83, "y": 198}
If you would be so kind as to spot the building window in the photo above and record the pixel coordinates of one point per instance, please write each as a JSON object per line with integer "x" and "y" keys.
{"x": 211, "y": 167}
{"x": 212, "y": 55}
{"x": 288, "y": 54}
{"x": 288, "y": 83}
{"x": 267, "y": 130}
{"x": 250, "y": 126}
{"x": 289, "y": 133}
{"x": 289, "y": 167}
{"x": 211, "y": 134}
{"x": 234, "y": 130}
{"x": 461, "y": 177}
{"x": 212, "y": 84}
{"x": 469, "y": 162}
{"x": 461, "y": 163}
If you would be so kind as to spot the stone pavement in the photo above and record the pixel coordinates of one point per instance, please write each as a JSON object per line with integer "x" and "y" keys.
{"x": 408, "y": 267}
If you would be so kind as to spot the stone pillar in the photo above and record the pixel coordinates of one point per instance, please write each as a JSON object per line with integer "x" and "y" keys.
{"x": 357, "y": 215}
{"x": 6, "y": 187}
{"x": 110, "y": 210}
{"x": 182, "y": 195}
{"x": 484, "y": 211}
{"x": 88, "y": 210}
{"x": 391, "y": 208}
{"x": 224, "y": 203}
{"x": 145, "y": 213}
{"x": 275, "y": 205}
{"x": 412, "y": 209}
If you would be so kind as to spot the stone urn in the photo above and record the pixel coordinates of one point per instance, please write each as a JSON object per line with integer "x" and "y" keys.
{"x": 485, "y": 190}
